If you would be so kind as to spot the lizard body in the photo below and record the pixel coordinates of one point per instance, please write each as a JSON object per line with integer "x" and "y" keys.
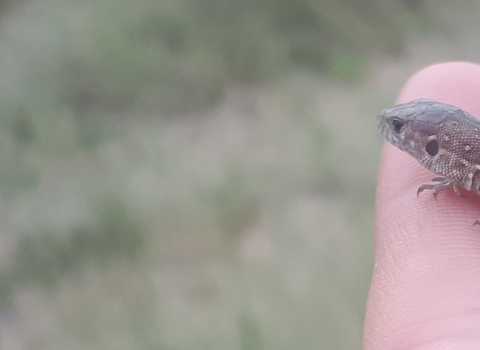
{"x": 441, "y": 137}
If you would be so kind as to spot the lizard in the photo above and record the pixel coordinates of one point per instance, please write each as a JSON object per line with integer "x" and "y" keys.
{"x": 441, "y": 137}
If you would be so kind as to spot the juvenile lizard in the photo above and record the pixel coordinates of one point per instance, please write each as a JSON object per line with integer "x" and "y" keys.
{"x": 441, "y": 137}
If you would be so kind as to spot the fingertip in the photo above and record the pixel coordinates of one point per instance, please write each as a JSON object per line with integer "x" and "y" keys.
{"x": 456, "y": 83}
{"x": 427, "y": 254}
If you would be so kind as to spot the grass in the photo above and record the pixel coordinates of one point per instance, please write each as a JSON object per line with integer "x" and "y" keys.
{"x": 230, "y": 231}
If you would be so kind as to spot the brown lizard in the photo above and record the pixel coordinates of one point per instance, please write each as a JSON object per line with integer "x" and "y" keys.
{"x": 441, "y": 137}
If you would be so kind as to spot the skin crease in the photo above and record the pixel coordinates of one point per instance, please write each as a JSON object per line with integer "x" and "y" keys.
{"x": 425, "y": 291}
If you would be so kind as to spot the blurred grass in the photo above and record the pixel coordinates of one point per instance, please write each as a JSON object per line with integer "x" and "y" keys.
{"x": 239, "y": 229}
{"x": 176, "y": 55}
{"x": 186, "y": 174}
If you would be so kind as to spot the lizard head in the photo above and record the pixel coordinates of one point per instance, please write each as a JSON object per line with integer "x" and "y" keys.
{"x": 413, "y": 127}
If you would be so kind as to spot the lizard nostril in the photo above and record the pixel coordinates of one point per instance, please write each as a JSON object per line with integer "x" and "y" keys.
{"x": 380, "y": 120}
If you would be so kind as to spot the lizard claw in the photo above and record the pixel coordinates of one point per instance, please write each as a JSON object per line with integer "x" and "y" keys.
{"x": 436, "y": 188}
{"x": 477, "y": 222}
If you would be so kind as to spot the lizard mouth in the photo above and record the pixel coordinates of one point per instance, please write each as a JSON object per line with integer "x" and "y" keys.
{"x": 385, "y": 130}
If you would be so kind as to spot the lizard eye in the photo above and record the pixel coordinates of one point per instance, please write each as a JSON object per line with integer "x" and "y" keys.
{"x": 398, "y": 126}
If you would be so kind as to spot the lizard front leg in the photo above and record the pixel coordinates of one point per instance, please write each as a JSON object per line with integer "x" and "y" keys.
{"x": 444, "y": 184}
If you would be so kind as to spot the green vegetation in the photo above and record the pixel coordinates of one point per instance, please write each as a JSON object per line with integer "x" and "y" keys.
{"x": 172, "y": 55}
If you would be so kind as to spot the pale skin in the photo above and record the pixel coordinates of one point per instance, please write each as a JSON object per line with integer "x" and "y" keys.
{"x": 425, "y": 291}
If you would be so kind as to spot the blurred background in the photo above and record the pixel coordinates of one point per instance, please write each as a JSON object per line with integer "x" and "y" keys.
{"x": 199, "y": 174}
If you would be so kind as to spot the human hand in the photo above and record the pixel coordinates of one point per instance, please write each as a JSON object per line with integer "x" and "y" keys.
{"x": 425, "y": 291}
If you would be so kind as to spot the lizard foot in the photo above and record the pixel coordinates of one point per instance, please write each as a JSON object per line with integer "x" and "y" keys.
{"x": 443, "y": 184}
{"x": 477, "y": 222}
